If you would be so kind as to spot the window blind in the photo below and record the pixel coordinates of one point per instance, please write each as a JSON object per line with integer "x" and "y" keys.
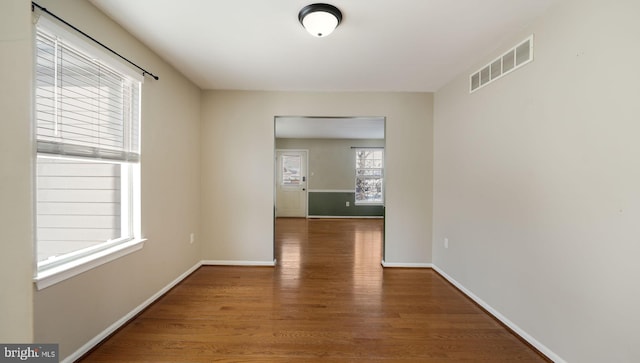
{"x": 83, "y": 107}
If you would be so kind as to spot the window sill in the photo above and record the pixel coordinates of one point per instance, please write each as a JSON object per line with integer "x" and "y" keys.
{"x": 73, "y": 268}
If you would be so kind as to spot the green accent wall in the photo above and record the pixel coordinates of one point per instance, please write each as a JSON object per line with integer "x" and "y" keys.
{"x": 334, "y": 204}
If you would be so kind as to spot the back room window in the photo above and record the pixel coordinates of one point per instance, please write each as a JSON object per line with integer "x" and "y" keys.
{"x": 369, "y": 176}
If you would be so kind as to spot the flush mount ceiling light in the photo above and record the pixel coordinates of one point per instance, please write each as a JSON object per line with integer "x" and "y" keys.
{"x": 320, "y": 19}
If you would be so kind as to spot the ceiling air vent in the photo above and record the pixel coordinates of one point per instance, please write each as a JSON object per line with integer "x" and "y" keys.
{"x": 513, "y": 59}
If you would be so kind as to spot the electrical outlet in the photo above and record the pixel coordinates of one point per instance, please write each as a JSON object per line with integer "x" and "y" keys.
{"x": 347, "y": 204}
{"x": 446, "y": 243}
{"x": 192, "y": 238}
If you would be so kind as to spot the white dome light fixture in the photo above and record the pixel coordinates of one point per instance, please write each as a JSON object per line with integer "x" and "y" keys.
{"x": 320, "y": 19}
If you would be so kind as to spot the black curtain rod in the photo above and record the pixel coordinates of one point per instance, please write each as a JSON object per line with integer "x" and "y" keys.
{"x": 367, "y": 147}
{"x": 144, "y": 71}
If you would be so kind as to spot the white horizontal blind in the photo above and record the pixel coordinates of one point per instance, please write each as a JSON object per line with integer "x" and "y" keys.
{"x": 83, "y": 107}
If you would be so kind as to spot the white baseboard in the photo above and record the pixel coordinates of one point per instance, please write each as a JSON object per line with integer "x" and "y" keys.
{"x": 115, "y": 326}
{"x": 406, "y": 265}
{"x": 238, "y": 263}
{"x": 523, "y": 334}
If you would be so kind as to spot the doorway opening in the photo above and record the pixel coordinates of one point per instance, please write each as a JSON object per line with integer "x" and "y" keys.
{"x": 322, "y": 171}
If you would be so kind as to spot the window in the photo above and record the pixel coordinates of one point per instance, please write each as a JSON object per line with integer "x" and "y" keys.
{"x": 369, "y": 176}
{"x": 87, "y": 117}
{"x": 291, "y": 169}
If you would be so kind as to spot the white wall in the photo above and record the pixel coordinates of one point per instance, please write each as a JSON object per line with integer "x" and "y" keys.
{"x": 537, "y": 184}
{"x": 238, "y": 168}
{"x": 76, "y": 310}
{"x": 16, "y": 217}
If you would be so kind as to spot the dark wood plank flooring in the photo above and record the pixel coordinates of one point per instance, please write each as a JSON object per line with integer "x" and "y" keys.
{"x": 328, "y": 300}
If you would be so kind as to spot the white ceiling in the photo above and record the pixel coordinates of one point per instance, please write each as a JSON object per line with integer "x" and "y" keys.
{"x": 381, "y": 45}
{"x": 330, "y": 127}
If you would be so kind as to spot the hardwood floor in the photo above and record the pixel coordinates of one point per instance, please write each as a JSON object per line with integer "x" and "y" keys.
{"x": 327, "y": 300}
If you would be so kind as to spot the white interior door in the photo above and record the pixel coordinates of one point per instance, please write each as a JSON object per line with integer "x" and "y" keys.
{"x": 291, "y": 183}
